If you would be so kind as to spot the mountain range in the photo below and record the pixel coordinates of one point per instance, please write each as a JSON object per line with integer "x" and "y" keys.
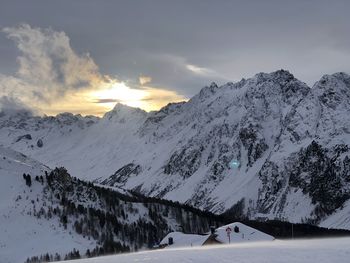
{"x": 267, "y": 147}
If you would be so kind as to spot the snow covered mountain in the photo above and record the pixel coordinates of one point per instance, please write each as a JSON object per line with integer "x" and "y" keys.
{"x": 265, "y": 147}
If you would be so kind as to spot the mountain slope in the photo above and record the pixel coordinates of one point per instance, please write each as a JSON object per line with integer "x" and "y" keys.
{"x": 19, "y": 229}
{"x": 44, "y": 212}
{"x": 265, "y": 147}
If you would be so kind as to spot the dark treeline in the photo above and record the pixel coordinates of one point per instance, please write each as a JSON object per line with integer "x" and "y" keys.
{"x": 75, "y": 254}
{"x": 277, "y": 228}
{"x": 286, "y": 230}
{"x": 280, "y": 229}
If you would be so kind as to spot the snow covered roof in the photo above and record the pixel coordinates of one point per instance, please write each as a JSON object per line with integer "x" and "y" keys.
{"x": 244, "y": 234}
{"x": 183, "y": 240}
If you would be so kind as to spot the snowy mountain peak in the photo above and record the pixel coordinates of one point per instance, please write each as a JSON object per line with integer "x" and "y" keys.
{"x": 281, "y": 76}
{"x": 339, "y": 79}
{"x": 213, "y": 85}
{"x": 67, "y": 118}
{"x": 343, "y": 76}
{"x": 207, "y": 91}
{"x": 171, "y": 107}
{"x": 276, "y": 87}
{"x": 122, "y": 112}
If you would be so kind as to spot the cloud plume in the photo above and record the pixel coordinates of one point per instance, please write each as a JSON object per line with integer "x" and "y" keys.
{"x": 12, "y": 105}
{"x": 48, "y": 67}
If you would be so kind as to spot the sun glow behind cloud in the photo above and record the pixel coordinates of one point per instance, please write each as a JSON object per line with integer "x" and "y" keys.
{"x": 118, "y": 92}
{"x": 102, "y": 99}
{"x": 147, "y": 98}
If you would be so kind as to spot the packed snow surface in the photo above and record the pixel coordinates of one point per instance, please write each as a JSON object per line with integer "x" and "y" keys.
{"x": 294, "y": 251}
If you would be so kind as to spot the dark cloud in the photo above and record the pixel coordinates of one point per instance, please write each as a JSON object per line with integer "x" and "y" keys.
{"x": 11, "y": 105}
{"x": 106, "y": 101}
{"x": 160, "y": 39}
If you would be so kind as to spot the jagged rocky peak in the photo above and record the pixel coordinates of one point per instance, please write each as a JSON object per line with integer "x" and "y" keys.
{"x": 333, "y": 89}
{"x": 236, "y": 85}
{"x": 282, "y": 77}
{"x": 343, "y": 76}
{"x": 207, "y": 91}
{"x": 155, "y": 117}
{"x": 171, "y": 107}
{"x": 68, "y": 119}
{"x": 122, "y": 113}
{"x": 213, "y": 85}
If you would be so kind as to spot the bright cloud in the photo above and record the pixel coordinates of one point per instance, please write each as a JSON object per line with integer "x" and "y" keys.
{"x": 48, "y": 67}
{"x": 157, "y": 98}
{"x": 144, "y": 80}
{"x": 199, "y": 70}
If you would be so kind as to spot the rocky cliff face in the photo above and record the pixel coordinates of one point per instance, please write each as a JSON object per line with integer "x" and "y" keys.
{"x": 289, "y": 144}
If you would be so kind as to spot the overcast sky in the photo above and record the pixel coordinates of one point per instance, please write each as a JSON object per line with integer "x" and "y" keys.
{"x": 177, "y": 46}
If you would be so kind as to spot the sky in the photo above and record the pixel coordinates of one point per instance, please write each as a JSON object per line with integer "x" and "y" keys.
{"x": 85, "y": 56}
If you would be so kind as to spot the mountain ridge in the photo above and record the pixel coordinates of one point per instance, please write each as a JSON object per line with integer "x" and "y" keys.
{"x": 270, "y": 124}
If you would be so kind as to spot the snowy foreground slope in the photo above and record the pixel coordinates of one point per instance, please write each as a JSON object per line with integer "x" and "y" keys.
{"x": 264, "y": 147}
{"x": 297, "y": 251}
